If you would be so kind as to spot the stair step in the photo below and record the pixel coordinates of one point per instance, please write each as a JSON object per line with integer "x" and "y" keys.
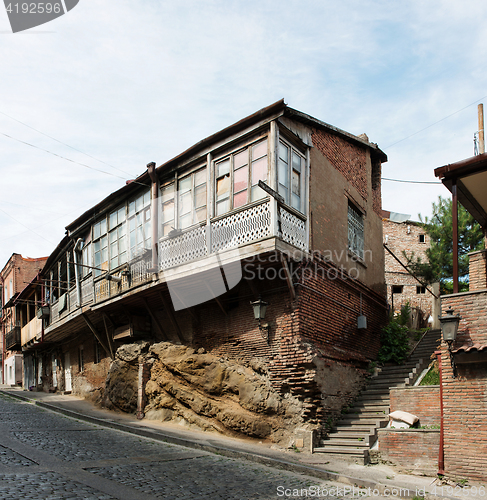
{"x": 348, "y": 443}
{"x": 340, "y": 451}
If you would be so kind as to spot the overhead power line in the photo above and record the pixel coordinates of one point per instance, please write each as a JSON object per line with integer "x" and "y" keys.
{"x": 411, "y": 182}
{"x": 433, "y": 124}
{"x": 63, "y": 143}
{"x": 68, "y": 159}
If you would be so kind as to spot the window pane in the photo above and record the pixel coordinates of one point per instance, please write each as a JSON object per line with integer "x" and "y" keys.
{"x": 103, "y": 226}
{"x": 284, "y": 192}
{"x": 223, "y": 168}
{"x": 283, "y": 152}
{"x": 168, "y": 192}
{"x": 259, "y": 171}
{"x": 122, "y": 258}
{"x": 167, "y": 228}
{"x": 185, "y": 184}
{"x": 296, "y": 162}
{"x": 139, "y": 203}
{"x": 185, "y": 221}
{"x": 200, "y": 196}
{"x": 96, "y": 246}
{"x": 113, "y": 220}
{"x": 240, "y": 199}
{"x": 296, "y": 183}
{"x": 240, "y": 179}
{"x": 257, "y": 193}
{"x": 131, "y": 208}
{"x": 146, "y": 200}
{"x": 200, "y": 177}
{"x": 114, "y": 248}
{"x": 259, "y": 150}
{"x": 185, "y": 203}
{"x": 223, "y": 187}
{"x": 140, "y": 235}
{"x": 96, "y": 231}
{"x": 283, "y": 174}
{"x": 121, "y": 215}
{"x": 201, "y": 214}
{"x": 122, "y": 244}
{"x": 241, "y": 159}
{"x": 222, "y": 207}
{"x": 296, "y": 202}
{"x": 168, "y": 211}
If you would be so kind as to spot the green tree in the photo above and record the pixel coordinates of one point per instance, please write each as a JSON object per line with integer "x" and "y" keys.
{"x": 440, "y": 253}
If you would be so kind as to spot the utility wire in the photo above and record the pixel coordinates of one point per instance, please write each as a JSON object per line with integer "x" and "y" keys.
{"x": 439, "y": 121}
{"x": 411, "y": 182}
{"x": 63, "y": 143}
{"x": 68, "y": 159}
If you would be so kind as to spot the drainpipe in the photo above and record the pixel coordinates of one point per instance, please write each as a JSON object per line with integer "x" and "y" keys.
{"x": 77, "y": 248}
{"x": 441, "y": 452}
{"x": 151, "y": 169}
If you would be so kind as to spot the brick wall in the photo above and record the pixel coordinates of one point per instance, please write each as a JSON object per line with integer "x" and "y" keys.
{"x": 315, "y": 349}
{"x": 347, "y": 158}
{"x": 465, "y": 397}
{"x": 411, "y": 449}
{"x": 422, "y": 401}
{"x": 477, "y": 268}
{"x": 405, "y": 237}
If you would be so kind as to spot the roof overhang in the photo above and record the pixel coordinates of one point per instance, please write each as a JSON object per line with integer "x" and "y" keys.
{"x": 470, "y": 176}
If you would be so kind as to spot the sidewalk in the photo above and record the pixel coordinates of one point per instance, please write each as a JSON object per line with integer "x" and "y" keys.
{"x": 382, "y": 478}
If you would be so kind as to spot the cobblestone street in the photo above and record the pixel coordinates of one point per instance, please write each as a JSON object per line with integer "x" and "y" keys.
{"x": 48, "y": 456}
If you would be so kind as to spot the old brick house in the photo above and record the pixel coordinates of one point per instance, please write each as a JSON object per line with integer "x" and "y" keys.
{"x": 280, "y": 206}
{"x": 464, "y": 369}
{"x": 405, "y": 239}
{"x": 17, "y": 272}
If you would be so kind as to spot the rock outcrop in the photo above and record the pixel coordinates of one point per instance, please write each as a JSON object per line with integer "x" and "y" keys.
{"x": 202, "y": 391}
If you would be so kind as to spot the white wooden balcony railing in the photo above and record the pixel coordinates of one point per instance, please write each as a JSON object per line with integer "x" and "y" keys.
{"x": 31, "y": 331}
{"x": 243, "y": 226}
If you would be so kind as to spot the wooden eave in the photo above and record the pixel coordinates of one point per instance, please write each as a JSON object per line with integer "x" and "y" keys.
{"x": 375, "y": 151}
{"x": 468, "y": 175}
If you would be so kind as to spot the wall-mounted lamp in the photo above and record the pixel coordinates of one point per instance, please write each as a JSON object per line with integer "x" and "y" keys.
{"x": 260, "y": 308}
{"x": 449, "y": 329}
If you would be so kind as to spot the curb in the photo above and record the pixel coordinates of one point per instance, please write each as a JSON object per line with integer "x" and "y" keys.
{"x": 227, "y": 452}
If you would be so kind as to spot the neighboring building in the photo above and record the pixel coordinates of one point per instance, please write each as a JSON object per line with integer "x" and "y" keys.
{"x": 17, "y": 272}
{"x": 464, "y": 387}
{"x": 179, "y": 253}
{"x": 405, "y": 239}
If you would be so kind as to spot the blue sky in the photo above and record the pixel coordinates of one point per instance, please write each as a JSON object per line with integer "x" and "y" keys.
{"x": 129, "y": 82}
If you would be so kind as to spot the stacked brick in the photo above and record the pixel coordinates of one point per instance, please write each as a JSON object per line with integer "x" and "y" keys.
{"x": 477, "y": 270}
{"x": 465, "y": 397}
{"x": 348, "y": 159}
{"x": 410, "y": 238}
{"x": 422, "y": 401}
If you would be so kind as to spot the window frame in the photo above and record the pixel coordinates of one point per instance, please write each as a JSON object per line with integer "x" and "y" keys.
{"x": 139, "y": 213}
{"x": 355, "y": 230}
{"x": 287, "y": 191}
{"x": 250, "y": 179}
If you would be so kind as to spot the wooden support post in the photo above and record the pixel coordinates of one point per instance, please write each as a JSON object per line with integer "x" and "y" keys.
{"x": 454, "y": 209}
{"x": 105, "y": 319}
{"x": 217, "y": 300}
{"x": 91, "y": 326}
{"x": 289, "y": 280}
{"x": 155, "y": 320}
{"x": 172, "y": 318}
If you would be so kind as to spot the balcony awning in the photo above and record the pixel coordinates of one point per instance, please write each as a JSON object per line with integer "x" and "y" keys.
{"x": 470, "y": 177}
{"x": 467, "y": 182}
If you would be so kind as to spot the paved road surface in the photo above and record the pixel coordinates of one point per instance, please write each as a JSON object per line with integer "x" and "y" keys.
{"x": 44, "y": 455}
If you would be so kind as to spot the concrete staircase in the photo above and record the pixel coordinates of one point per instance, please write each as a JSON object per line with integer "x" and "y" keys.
{"x": 356, "y": 432}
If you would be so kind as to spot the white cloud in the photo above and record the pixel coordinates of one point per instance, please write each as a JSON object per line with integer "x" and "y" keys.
{"x": 131, "y": 82}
